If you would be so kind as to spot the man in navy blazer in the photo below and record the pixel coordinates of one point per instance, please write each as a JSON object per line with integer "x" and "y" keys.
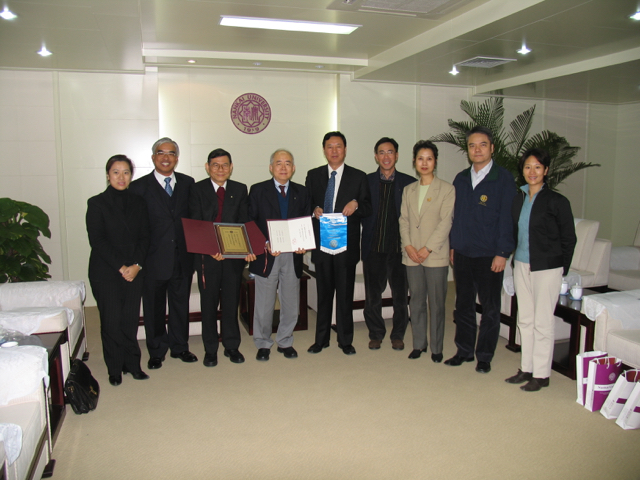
{"x": 169, "y": 268}
{"x": 335, "y": 274}
{"x": 381, "y": 249}
{"x": 277, "y": 198}
{"x": 218, "y": 199}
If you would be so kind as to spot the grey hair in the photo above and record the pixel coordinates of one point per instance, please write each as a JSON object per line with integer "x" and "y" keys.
{"x": 165, "y": 140}
{"x": 278, "y": 151}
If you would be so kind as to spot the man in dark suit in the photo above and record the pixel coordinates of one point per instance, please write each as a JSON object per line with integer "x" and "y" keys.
{"x": 169, "y": 268}
{"x": 218, "y": 199}
{"x": 381, "y": 250}
{"x": 277, "y": 198}
{"x": 347, "y": 191}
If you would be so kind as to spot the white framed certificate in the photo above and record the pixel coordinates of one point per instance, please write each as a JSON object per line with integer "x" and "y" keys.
{"x": 291, "y": 234}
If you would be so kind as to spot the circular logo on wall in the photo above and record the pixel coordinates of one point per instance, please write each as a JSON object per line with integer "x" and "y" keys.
{"x": 250, "y": 113}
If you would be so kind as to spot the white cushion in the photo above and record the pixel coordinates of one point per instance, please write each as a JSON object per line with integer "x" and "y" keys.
{"x": 586, "y": 232}
{"x": 625, "y": 344}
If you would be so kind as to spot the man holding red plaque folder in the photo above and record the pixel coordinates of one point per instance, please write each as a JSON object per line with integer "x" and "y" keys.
{"x": 277, "y": 198}
{"x": 218, "y": 199}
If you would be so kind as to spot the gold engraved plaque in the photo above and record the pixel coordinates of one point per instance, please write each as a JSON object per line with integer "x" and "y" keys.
{"x": 233, "y": 239}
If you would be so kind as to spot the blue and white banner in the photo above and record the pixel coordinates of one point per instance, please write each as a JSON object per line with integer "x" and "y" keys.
{"x": 333, "y": 233}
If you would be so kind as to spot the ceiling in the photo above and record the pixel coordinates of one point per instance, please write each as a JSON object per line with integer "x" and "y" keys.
{"x": 581, "y": 50}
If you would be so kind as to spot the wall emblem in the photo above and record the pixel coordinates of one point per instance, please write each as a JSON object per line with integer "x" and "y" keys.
{"x": 250, "y": 113}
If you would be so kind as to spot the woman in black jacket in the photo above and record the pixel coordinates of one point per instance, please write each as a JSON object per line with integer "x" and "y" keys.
{"x": 118, "y": 228}
{"x": 545, "y": 235}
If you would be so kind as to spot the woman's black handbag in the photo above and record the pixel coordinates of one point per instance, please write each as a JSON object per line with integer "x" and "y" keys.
{"x": 81, "y": 389}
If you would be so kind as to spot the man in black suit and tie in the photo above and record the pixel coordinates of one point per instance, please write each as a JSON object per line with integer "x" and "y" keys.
{"x": 169, "y": 268}
{"x": 346, "y": 191}
{"x": 218, "y": 199}
{"x": 381, "y": 249}
{"x": 277, "y": 198}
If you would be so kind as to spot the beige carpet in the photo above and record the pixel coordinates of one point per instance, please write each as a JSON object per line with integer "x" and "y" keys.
{"x": 375, "y": 415}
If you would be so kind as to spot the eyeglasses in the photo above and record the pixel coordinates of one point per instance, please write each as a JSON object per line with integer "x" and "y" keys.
{"x": 161, "y": 153}
{"x": 388, "y": 152}
{"x": 219, "y": 166}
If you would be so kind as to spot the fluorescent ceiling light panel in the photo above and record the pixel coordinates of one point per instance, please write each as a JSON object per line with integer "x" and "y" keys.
{"x": 288, "y": 25}
{"x": 635, "y": 16}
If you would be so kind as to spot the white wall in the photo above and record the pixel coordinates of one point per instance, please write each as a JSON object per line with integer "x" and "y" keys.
{"x": 57, "y": 131}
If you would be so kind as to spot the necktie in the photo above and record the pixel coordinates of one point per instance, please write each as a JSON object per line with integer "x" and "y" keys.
{"x": 220, "y": 194}
{"x": 282, "y": 192}
{"x": 167, "y": 186}
{"x": 328, "y": 194}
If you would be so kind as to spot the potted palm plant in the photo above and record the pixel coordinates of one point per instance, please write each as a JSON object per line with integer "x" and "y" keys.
{"x": 511, "y": 143}
{"x": 22, "y": 258}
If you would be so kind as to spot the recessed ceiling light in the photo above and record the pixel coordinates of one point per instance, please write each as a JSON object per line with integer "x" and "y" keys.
{"x": 288, "y": 25}
{"x": 635, "y": 16}
{"x": 44, "y": 52}
{"x": 7, "y": 14}
{"x": 454, "y": 71}
{"x": 524, "y": 50}
{"x": 319, "y": 66}
{"x": 257, "y": 64}
{"x": 191, "y": 61}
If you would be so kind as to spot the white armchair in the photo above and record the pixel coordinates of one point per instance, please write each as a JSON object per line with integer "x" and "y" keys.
{"x": 24, "y": 413}
{"x": 47, "y": 307}
{"x": 624, "y": 272}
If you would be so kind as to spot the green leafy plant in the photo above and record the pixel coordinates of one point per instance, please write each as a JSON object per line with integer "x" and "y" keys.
{"x": 22, "y": 258}
{"x": 511, "y": 143}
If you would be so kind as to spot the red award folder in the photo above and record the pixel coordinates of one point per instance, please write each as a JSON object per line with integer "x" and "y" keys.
{"x": 203, "y": 237}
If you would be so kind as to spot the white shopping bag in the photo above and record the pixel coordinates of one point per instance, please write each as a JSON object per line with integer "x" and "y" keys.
{"x": 582, "y": 370}
{"x": 603, "y": 373}
{"x": 629, "y": 417}
{"x": 620, "y": 393}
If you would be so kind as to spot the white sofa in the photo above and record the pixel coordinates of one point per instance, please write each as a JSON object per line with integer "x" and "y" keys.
{"x": 47, "y": 307}
{"x": 624, "y": 268}
{"x": 24, "y": 413}
{"x": 617, "y": 317}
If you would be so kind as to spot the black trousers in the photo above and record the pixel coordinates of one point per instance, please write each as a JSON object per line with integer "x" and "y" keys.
{"x": 474, "y": 277}
{"x": 334, "y": 276}
{"x": 119, "y": 306}
{"x": 172, "y": 333}
{"x": 220, "y": 285}
{"x": 378, "y": 268}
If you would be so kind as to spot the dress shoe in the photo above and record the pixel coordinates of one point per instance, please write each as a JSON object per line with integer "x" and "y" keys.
{"x": 115, "y": 380}
{"x": 374, "y": 344}
{"x": 483, "y": 367}
{"x": 139, "y": 375}
{"x": 185, "y": 356}
{"x": 534, "y": 384}
{"x": 155, "y": 363}
{"x": 457, "y": 360}
{"x": 262, "y": 355}
{"x": 415, "y": 353}
{"x": 347, "y": 349}
{"x": 210, "y": 360}
{"x": 288, "y": 352}
{"x": 397, "y": 344}
{"x": 436, "y": 357}
{"x": 519, "y": 377}
{"x": 315, "y": 348}
{"x": 234, "y": 355}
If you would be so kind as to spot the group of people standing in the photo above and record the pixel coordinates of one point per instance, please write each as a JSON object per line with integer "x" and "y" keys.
{"x": 410, "y": 231}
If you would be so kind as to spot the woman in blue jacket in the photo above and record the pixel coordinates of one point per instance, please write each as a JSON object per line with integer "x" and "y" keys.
{"x": 545, "y": 235}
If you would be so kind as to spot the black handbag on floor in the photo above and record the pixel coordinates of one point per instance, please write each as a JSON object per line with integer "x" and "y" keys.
{"x": 81, "y": 389}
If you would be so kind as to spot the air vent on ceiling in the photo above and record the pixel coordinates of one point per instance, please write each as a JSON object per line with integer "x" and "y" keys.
{"x": 431, "y": 9}
{"x": 485, "y": 62}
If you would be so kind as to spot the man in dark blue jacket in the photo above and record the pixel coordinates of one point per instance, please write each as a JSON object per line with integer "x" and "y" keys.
{"x": 481, "y": 241}
{"x": 381, "y": 250}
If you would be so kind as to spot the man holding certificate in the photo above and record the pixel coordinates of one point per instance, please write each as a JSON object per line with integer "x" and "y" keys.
{"x": 277, "y": 198}
{"x": 218, "y": 199}
{"x": 340, "y": 194}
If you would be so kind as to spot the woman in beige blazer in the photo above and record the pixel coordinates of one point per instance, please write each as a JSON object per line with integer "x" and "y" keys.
{"x": 425, "y": 221}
